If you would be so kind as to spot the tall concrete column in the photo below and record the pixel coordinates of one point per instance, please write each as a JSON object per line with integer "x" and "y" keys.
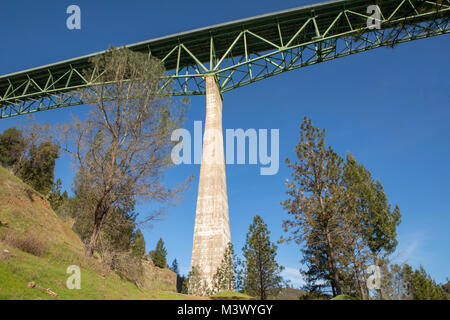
{"x": 212, "y": 227}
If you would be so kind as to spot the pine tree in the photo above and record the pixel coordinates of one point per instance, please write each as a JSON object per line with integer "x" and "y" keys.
{"x": 195, "y": 283}
{"x": 396, "y": 281}
{"x": 405, "y": 283}
{"x": 180, "y": 279}
{"x": 159, "y": 254}
{"x": 223, "y": 279}
{"x": 261, "y": 276}
{"x": 31, "y": 155}
{"x": 55, "y": 197}
{"x": 12, "y": 147}
{"x": 339, "y": 215}
{"x": 315, "y": 259}
{"x": 315, "y": 199}
{"x": 138, "y": 244}
{"x": 185, "y": 285}
{"x": 371, "y": 220}
{"x": 174, "y": 267}
{"x": 38, "y": 169}
{"x": 446, "y": 288}
{"x": 422, "y": 287}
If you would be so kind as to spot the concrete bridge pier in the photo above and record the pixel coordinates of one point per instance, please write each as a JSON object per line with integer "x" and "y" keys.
{"x": 212, "y": 227}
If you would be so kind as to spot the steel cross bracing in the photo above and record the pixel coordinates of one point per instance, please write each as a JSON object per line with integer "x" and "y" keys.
{"x": 241, "y": 52}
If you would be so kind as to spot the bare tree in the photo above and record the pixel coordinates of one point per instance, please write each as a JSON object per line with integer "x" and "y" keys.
{"x": 123, "y": 147}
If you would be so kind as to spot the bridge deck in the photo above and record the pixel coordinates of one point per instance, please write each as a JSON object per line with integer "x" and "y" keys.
{"x": 224, "y": 48}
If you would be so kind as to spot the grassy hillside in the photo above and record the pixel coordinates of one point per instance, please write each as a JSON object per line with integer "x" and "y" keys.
{"x": 289, "y": 294}
{"x": 231, "y": 295}
{"x": 343, "y": 297}
{"x": 36, "y": 245}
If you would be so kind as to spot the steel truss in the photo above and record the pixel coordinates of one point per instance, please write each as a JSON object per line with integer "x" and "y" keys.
{"x": 242, "y": 52}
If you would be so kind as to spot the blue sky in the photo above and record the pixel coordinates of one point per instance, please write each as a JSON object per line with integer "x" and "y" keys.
{"x": 388, "y": 107}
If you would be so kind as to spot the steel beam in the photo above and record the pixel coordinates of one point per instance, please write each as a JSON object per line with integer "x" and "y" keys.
{"x": 241, "y": 52}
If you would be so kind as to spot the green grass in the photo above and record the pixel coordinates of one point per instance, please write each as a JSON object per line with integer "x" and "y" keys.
{"x": 343, "y": 297}
{"x": 231, "y": 295}
{"x": 18, "y": 268}
{"x": 27, "y": 211}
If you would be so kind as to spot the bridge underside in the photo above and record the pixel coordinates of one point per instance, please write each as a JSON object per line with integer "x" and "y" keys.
{"x": 241, "y": 52}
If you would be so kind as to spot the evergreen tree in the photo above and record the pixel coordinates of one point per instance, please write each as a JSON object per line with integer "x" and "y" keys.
{"x": 223, "y": 279}
{"x": 180, "y": 279}
{"x": 315, "y": 199}
{"x": 405, "y": 283}
{"x": 195, "y": 284}
{"x": 315, "y": 259}
{"x": 159, "y": 254}
{"x": 181, "y": 284}
{"x": 174, "y": 267}
{"x": 38, "y": 169}
{"x": 185, "y": 285}
{"x": 446, "y": 288}
{"x": 396, "y": 282}
{"x": 422, "y": 287}
{"x": 31, "y": 155}
{"x": 370, "y": 218}
{"x": 12, "y": 147}
{"x": 261, "y": 276}
{"x": 55, "y": 197}
{"x": 339, "y": 215}
{"x": 138, "y": 244}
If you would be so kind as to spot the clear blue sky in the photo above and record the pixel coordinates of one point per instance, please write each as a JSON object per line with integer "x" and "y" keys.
{"x": 389, "y": 107}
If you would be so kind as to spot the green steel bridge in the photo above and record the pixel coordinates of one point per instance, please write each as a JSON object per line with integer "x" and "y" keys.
{"x": 240, "y": 52}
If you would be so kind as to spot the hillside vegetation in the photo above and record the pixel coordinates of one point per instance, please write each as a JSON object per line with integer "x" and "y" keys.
{"x": 37, "y": 246}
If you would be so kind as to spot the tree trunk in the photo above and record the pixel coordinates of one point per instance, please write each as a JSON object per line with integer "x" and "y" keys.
{"x": 332, "y": 262}
{"x": 98, "y": 223}
{"x": 358, "y": 278}
{"x": 262, "y": 292}
{"x": 381, "y": 292}
{"x": 366, "y": 290}
{"x": 333, "y": 289}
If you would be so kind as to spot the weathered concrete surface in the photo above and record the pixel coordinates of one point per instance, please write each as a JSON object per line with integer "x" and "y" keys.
{"x": 212, "y": 227}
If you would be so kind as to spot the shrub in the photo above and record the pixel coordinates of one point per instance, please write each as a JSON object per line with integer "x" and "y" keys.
{"x": 126, "y": 265}
{"x": 30, "y": 242}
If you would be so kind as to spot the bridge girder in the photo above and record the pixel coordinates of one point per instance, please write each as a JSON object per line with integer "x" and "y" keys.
{"x": 241, "y": 52}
